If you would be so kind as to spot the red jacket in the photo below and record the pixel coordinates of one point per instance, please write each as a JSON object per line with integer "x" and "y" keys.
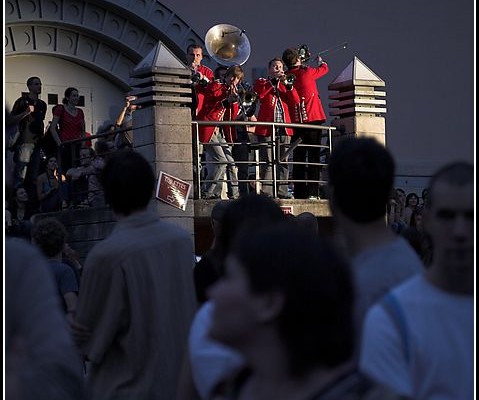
{"x": 199, "y": 87}
{"x": 310, "y": 108}
{"x": 268, "y": 100}
{"x": 216, "y": 108}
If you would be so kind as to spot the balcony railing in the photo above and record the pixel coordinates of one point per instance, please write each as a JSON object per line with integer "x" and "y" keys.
{"x": 254, "y": 162}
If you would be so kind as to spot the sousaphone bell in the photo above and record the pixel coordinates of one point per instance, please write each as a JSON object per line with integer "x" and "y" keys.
{"x": 227, "y": 45}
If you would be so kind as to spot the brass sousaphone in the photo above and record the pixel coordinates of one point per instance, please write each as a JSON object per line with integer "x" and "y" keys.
{"x": 227, "y": 45}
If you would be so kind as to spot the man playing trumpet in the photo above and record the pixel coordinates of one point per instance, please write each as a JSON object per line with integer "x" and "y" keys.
{"x": 276, "y": 96}
{"x": 201, "y": 75}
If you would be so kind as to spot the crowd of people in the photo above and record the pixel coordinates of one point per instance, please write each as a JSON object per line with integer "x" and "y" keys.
{"x": 54, "y": 167}
{"x": 276, "y": 308}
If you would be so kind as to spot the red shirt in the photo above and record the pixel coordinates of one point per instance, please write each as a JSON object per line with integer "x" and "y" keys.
{"x": 268, "y": 101}
{"x": 71, "y": 127}
{"x": 215, "y": 108}
{"x": 199, "y": 87}
{"x": 310, "y": 108}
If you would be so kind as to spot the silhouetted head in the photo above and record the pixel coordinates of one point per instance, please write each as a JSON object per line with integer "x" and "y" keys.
{"x": 361, "y": 176}
{"x": 128, "y": 182}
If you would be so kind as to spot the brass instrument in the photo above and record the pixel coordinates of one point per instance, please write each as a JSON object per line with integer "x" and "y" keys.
{"x": 247, "y": 98}
{"x": 287, "y": 79}
{"x": 227, "y": 45}
{"x": 305, "y": 54}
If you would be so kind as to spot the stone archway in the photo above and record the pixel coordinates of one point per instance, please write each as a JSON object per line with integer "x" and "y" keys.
{"x": 107, "y": 37}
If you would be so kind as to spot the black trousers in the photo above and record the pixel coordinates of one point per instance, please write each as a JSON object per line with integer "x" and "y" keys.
{"x": 241, "y": 155}
{"x": 303, "y": 190}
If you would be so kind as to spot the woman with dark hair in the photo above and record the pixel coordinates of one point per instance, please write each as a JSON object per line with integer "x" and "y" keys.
{"x": 51, "y": 189}
{"x": 412, "y": 201}
{"x": 417, "y": 237}
{"x": 210, "y": 360}
{"x": 69, "y": 119}
{"x": 21, "y": 211}
{"x": 286, "y": 305}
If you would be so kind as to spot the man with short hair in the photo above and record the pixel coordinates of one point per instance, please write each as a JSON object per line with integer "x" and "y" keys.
{"x": 419, "y": 340}
{"x": 276, "y": 97}
{"x": 201, "y": 75}
{"x": 137, "y": 296}
{"x": 309, "y": 110}
{"x": 221, "y": 104}
{"x": 124, "y": 124}
{"x": 29, "y": 112}
{"x": 49, "y": 236}
{"x": 361, "y": 176}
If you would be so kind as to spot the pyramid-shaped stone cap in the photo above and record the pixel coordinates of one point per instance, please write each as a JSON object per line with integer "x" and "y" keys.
{"x": 356, "y": 74}
{"x": 159, "y": 58}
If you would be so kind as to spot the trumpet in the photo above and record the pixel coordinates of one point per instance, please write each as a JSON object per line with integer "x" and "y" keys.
{"x": 247, "y": 99}
{"x": 287, "y": 79}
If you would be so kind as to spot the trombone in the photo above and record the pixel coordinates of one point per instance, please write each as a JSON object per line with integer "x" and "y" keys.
{"x": 305, "y": 54}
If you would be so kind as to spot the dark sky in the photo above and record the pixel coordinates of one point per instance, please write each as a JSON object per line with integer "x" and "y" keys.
{"x": 423, "y": 50}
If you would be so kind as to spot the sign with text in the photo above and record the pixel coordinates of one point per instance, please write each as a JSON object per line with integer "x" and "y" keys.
{"x": 172, "y": 191}
{"x": 287, "y": 209}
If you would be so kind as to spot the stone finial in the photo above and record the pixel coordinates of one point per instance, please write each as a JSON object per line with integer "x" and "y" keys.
{"x": 356, "y": 91}
{"x": 159, "y": 57}
{"x": 358, "y": 107}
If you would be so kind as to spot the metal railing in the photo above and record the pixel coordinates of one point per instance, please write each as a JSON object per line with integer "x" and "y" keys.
{"x": 273, "y": 143}
{"x": 254, "y": 147}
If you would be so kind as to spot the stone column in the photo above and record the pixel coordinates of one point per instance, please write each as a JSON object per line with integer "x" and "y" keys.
{"x": 358, "y": 106}
{"x": 162, "y": 124}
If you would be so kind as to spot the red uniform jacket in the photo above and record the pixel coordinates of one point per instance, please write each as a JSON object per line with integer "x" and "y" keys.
{"x": 310, "y": 108}
{"x": 268, "y": 100}
{"x": 216, "y": 108}
{"x": 199, "y": 87}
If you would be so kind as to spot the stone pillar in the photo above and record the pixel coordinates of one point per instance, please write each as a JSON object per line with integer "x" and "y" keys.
{"x": 162, "y": 124}
{"x": 358, "y": 106}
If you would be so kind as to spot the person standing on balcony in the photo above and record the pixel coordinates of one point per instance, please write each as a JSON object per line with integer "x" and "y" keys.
{"x": 124, "y": 123}
{"x": 29, "y": 113}
{"x": 308, "y": 111}
{"x": 201, "y": 75}
{"x": 68, "y": 123}
{"x": 221, "y": 103}
{"x": 276, "y": 96}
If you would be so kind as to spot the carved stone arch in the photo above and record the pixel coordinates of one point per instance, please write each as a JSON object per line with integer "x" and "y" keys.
{"x": 108, "y": 37}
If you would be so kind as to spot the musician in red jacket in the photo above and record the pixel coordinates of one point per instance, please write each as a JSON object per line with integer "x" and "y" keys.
{"x": 201, "y": 75}
{"x": 308, "y": 111}
{"x": 276, "y": 96}
{"x": 220, "y": 104}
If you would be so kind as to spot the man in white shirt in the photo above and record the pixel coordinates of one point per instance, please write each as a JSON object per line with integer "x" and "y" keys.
{"x": 419, "y": 340}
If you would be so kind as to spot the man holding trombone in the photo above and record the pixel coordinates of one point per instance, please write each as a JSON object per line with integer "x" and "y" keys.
{"x": 309, "y": 110}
